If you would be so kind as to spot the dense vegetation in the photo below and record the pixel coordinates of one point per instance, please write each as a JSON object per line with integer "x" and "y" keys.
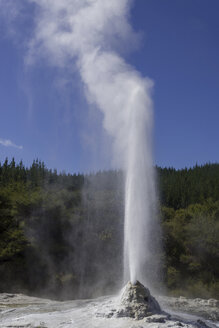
{"x": 61, "y": 235}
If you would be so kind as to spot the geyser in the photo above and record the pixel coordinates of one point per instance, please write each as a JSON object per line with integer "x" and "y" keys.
{"x": 91, "y": 34}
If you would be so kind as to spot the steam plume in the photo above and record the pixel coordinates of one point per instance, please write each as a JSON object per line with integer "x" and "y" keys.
{"x": 87, "y": 33}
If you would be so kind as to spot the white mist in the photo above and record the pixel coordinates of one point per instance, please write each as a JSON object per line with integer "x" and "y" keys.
{"x": 86, "y": 34}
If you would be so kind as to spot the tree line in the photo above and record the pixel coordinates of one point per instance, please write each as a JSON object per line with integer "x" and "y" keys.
{"x": 61, "y": 235}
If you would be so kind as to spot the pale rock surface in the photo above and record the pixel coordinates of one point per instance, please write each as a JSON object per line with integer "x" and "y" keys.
{"x": 137, "y": 302}
{"x": 208, "y": 309}
{"x": 20, "y": 311}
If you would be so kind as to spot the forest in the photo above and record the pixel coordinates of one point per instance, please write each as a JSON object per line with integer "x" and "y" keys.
{"x": 61, "y": 235}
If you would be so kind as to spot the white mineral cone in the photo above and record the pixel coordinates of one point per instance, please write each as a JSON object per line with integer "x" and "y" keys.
{"x": 137, "y": 302}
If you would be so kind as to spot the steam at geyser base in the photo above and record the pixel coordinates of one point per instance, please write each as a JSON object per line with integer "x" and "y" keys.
{"x": 91, "y": 33}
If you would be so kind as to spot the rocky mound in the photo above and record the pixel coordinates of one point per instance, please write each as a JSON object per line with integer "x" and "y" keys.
{"x": 137, "y": 302}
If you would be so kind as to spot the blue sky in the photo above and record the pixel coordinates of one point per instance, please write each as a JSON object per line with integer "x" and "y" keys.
{"x": 44, "y": 113}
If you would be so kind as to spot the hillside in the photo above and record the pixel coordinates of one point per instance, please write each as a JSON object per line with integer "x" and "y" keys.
{"x": 61, "y": 235}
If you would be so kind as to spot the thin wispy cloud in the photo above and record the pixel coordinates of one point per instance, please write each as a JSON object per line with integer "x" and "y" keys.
{"x": 11, "y": 12}
{"x": 9, "y": 143}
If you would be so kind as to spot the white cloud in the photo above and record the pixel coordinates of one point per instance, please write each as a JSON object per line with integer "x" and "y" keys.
{"x": 11, "y": 12}
{"x": 9, "y": 143}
